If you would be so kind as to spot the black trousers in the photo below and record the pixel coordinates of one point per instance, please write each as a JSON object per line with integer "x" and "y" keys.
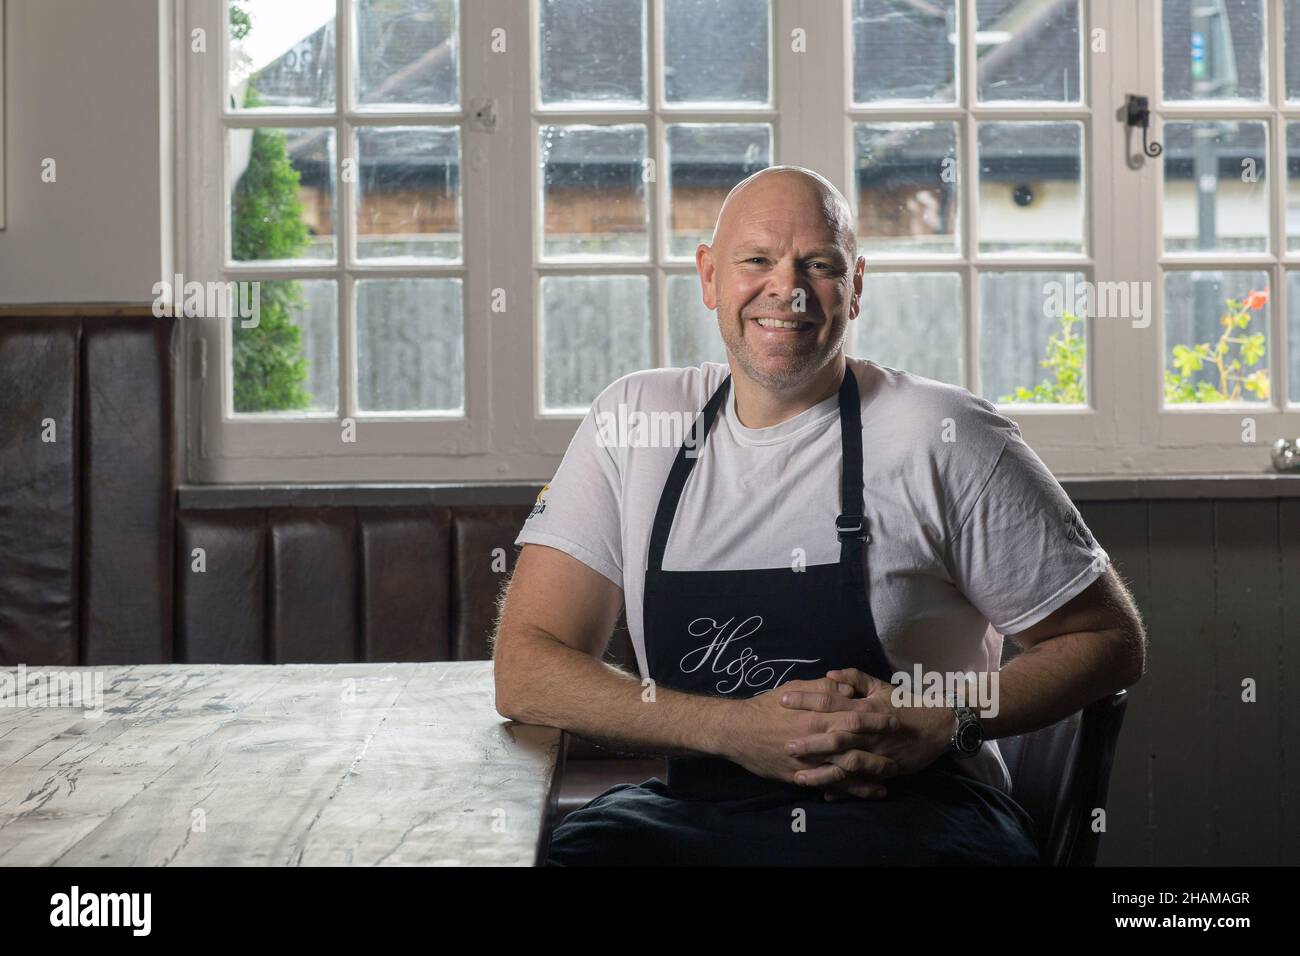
{"x": 939, "y": 817}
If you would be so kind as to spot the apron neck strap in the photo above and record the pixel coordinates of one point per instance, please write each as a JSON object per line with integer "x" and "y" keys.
{"x": 850, "y": 525}
{"x": 682, "y": 466}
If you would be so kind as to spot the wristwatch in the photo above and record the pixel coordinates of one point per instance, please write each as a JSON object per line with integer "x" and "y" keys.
{"x": 968, "y": 736}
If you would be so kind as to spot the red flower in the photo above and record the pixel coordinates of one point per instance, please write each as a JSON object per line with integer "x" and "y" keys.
{"x": 1256, "y": 300}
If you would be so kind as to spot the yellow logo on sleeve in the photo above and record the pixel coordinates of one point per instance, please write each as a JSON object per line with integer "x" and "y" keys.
{"x": 540, "y": 504}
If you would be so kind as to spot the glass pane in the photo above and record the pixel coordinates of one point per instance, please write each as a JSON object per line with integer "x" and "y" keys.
{"x": 693, "y": 335}
{"x": 410, "y": 345}
{"x": 1293, "y": 184}
{"x": 911, "y": 321}
{"x": 594, "y": 330}
{"x": 1029, "y": 50}
{"x": 280, "y": 54}
{"x": 1031, "y": 187}
{"x": 699, "y": 69}
{"x": 1033, "y": 338}
{"x": 286, "y": 359}
{"x": 592, "y": 52}
{"x": 1292, "y": 47}
{"x": 593, "y": 194}
{"x": 906, "y": 179}
{"x": 282, "y": 196}
{"x": 704, "y": 162}
{"x": 1293, "y": 334}
{"x": 1215, "y": 49}
{"x": 904, "y": 52}
{"x": 1216, "y": 337}
{"x": 407, "y": 52}
{"x": 1216, "y": 191}
{"x": 408, "y": 193}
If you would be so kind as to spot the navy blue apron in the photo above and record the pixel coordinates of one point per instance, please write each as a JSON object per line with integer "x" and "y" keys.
{"x": 740, "y": 633}
{"x": 737, "y": 633}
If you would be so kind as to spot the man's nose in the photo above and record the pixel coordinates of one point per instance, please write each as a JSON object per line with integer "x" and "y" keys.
{"x": 783, "y": 280}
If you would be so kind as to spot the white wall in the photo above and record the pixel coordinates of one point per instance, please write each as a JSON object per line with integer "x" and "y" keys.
{"x": 82, "y": 87}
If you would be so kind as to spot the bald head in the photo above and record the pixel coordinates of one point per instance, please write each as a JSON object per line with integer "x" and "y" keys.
{"x": 784, "y": 276}
{"x": 791, "y": 185}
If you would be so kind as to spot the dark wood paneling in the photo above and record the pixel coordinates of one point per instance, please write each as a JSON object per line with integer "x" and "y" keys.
{"x": 1120, "y": 527}
{"x": 39, "y": 491}
{"x": 314, "y": 583}
{"x": 221, "y": 610}
{"x": 127, "y": 495}
{"x": 1289, "y": 690}
{"x": 406, "y": 583}
{"x": 1245, "y": 788}
{"x": 483, "y": 558}
{"x": 1181, "y": 634}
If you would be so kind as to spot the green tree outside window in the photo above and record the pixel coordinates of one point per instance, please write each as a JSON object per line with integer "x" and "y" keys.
{"x": 267, "y": 223}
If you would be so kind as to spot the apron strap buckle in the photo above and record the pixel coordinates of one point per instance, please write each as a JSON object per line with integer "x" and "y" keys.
{"x": 851, "y": 526}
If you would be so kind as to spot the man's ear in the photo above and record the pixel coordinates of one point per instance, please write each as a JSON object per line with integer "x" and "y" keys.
{"x": 705, "y": 266}
{"x": 855, "y": 304}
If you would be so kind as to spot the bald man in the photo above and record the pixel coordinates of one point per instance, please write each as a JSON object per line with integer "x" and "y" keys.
{"x": 817, "y": 574}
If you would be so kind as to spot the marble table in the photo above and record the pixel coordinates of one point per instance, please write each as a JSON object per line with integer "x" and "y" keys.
{"x": 276, "y": 765}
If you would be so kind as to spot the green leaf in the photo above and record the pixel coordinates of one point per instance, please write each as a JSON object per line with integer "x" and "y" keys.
{"x": 1187, "y": 360}
{"x": 1253, "y": 348}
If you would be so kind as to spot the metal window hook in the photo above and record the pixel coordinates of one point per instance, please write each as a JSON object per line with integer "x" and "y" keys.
{"x": 1137, "y": 113}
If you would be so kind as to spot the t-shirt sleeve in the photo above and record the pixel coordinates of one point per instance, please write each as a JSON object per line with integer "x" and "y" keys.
{"x": 1022, "y": 550}
{"x": 579, "y": 511}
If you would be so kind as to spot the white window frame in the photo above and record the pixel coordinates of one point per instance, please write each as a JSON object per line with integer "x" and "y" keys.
{"x": 1064, "y": 434}
{"x": 556, "y": 428}
{"x": 504, "y": 436}
{"x": 1209, "y": 438}
{"x": 222, "y": 447}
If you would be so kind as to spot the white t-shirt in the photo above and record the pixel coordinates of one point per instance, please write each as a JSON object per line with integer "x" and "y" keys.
{"x": 971, "y": 536}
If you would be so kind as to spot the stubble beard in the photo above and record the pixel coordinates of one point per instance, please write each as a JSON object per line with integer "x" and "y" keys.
{"x": 805, "y": 365}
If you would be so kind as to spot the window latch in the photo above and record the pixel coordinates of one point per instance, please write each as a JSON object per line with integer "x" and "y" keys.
{"x": 483, "y": 115}
{"x": 1137, "y": 113}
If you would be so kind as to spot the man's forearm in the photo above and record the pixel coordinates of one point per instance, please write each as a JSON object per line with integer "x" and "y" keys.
{"x": 1058, "y": 676}
{"x": 541, "y": 680}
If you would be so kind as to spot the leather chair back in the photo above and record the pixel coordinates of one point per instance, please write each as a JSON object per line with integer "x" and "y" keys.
{"x": 1061, "y": 774}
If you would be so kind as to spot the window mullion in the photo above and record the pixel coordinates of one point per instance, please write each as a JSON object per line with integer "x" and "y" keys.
{"x": 657, "y": 198}
{"x": 345, "y": 212}
{"x": 967, "y": 76}
{"x": 1278, "y": 359}
{"x": 202, "y": 243}
{"x": 1147, "y": 51}
{"x": 1106, "y": 184}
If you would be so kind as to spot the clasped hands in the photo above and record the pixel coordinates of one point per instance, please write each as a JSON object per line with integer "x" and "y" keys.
{"x": 841, "y": 733}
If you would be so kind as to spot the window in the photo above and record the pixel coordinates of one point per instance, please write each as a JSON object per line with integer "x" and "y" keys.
{"x": 349, "y": 220}
{"x": 1216, "y": 205}
{"x": 958, "y": 276}
{"x": 1221, "y": 254}
{"x": 618, "y": 289}
{"x": 462, "y": 220}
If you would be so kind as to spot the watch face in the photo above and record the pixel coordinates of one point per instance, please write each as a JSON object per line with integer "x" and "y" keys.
{"x": 968, "y": 738}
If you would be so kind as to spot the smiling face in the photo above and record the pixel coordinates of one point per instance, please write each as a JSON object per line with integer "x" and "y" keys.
{"x": 782, "y": 276}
